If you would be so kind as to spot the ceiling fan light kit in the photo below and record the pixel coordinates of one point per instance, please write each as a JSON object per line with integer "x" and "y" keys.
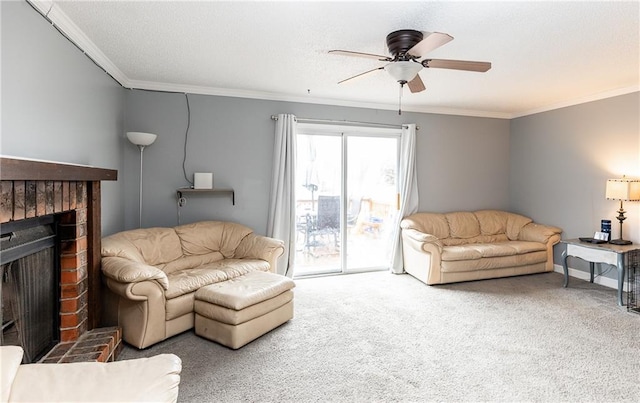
{"x": 403, "y": 72}
{"x": 407, "y": 47}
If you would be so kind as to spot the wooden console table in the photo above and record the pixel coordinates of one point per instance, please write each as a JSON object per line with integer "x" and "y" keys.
{"x": 598, "y": 253}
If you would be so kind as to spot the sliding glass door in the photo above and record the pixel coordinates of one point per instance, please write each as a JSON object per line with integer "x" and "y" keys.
{"x": 371, "y": 201}
{"x": 318, "y": 204}
{"x": 346, "y": 201}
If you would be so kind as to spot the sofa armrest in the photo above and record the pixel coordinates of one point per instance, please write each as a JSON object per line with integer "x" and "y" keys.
{"x": 10, "y": 360}
{"x": 128, "y": 271}
{"x": 260, "y": 247}
{"x": 422, "y": 238}
{"x": 540, "y": 233}
{"x": 422, "y": 255}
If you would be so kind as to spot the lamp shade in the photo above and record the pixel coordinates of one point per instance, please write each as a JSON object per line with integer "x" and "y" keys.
{"x": 626, "y": 189}
{"x": 141, "y": 138}
{"x": 403, "y": 71}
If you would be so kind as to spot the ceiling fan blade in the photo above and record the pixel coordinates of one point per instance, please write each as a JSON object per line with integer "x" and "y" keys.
{"x": 432, "y": 41}
{"x": 361, "y": 74}
{"x": 416, "y": 85}
{"x": 457, "y": 65}
{"x": 359, "y": 54}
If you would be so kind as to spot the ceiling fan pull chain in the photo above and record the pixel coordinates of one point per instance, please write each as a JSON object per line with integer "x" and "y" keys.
{"x": 400, "y": 101}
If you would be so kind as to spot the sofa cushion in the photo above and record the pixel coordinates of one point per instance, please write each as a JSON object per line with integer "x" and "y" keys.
{"x": 204, "y": 237}
{"x": 473, "y": 251}
{"x": 463, "y": 224}
{"x": 515, "y": 223}
{"x": 475, "y": 239}
{"x": 492, "y": 222}
{"x": 428, "y": 223}
{"x": 527, "y": 247}
{"x": 494, "y": 249}
{"x": 461, "y": 252}
{"x": 497, "y": 262}
{"x": 189, "y": 280}
{"x": 156, "y": 246}
{"x": 189, "y": 262}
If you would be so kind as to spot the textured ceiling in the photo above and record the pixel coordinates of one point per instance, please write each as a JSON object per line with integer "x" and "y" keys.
{"x": 544, "y": 54}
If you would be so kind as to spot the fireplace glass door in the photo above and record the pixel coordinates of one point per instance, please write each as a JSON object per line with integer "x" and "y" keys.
{"x": 29, "y": 292}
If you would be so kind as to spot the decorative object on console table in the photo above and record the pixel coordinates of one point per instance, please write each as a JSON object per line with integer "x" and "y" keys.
{"x": 624, "y": 189}
{"x": 605, "y": 226}
{"x": 142, "y": 140}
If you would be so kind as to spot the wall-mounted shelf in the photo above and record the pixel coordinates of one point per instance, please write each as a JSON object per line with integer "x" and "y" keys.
{"x": 182, "y": 191}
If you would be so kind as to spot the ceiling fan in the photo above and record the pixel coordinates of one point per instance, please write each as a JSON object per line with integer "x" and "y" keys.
{"x": 408, "y": 48}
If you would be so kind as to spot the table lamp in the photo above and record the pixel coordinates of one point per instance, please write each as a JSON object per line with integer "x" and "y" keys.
{"x": 624, "y": 189}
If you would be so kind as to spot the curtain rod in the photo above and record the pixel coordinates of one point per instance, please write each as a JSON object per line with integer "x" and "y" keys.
{"x": 344, "y": 122}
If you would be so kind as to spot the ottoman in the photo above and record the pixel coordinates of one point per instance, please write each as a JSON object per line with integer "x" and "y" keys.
{"x": 237, "y": 311}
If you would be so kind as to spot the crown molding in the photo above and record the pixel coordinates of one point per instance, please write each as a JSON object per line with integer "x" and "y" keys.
{"x": 42, "y": 5}
{"x": 225, "y": 92}
{"x": 577, "y": 101}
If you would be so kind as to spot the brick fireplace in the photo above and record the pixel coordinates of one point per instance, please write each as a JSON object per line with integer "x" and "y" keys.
{"x": 71, "y": 193}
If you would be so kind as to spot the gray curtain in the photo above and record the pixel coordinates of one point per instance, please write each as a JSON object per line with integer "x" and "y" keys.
{"x": 408, "y": 191}
{"x": 281, "y": 223}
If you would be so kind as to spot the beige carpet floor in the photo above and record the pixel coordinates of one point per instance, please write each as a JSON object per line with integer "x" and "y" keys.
{"x": 379, "y": 337}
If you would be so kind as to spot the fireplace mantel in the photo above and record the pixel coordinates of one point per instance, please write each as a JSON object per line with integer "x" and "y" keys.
{"x": 35, "y": 188}
{"x": 25, "y": 169}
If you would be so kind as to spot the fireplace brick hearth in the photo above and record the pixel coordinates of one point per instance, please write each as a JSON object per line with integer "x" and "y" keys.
{"x": 101, "y": 345}
{"x": 30, "y": 189}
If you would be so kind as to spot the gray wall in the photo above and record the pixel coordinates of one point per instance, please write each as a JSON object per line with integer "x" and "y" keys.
{"x": 57, "y": 104}
{"x": 463, "y": 162}
{"x": 561, "y": 160}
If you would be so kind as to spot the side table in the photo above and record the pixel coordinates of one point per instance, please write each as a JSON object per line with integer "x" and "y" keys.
{"x": 597, "y": 253}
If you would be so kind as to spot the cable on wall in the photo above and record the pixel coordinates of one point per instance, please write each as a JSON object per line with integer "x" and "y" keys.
{"x": 186, "y": 138}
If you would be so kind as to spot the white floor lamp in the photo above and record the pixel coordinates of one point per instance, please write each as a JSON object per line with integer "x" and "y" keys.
{"x": 142, "y": 140}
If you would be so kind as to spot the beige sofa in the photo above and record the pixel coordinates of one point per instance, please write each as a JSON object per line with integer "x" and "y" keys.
{"x": 463, "y": 246}
{"x": 152, "y": 274}
{"x": 154, "y": 379}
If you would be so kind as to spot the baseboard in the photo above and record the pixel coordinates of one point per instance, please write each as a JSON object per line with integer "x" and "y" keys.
{"x": 584, "y": 275}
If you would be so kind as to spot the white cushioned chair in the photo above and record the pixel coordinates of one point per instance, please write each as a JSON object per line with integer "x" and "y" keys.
{"x": 154, "y": 379}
